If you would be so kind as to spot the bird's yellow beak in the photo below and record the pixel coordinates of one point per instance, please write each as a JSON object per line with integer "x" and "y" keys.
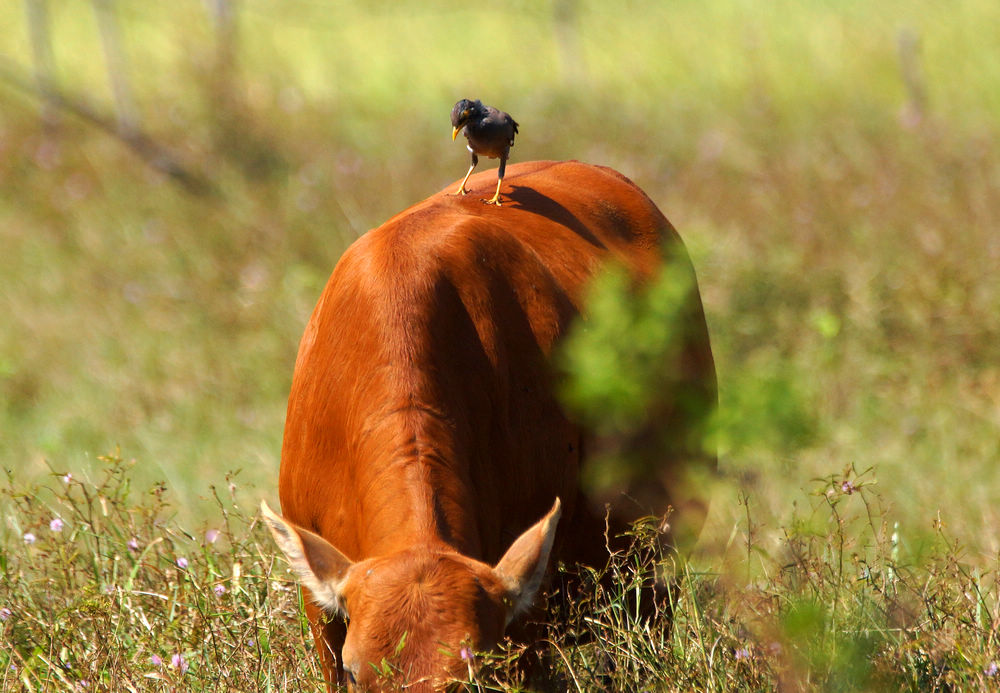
{"x": 455, "y": 131}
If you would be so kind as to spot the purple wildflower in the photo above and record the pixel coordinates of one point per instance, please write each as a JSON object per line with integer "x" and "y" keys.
{"x": 68, "y": 478}
{"x": 219, "y": 590}
{"x": 133, "y": 544}
{"x": 156, "y": 661}
{"x": 742, "y": 653}
{"x": 992, "y": 670}
{"x": 847, "y": 487}
{"x": 29, "y": 538}
{"x": 465, "y": 653}
{"x": 5, "y": 613}
{"x": 56, "y": 525}
{"x": 178, "y": 662}
{"x": 182, "y": 563}
{"x": 47, "y": 155}
{"x": 211, "y": 535}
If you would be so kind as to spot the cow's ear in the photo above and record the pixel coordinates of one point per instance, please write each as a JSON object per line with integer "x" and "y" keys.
{"x": 523, "y": 566}
{"x": 317, "y": 562}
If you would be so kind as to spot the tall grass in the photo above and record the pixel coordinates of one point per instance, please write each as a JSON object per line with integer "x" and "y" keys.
{"x": 104, "y": 590}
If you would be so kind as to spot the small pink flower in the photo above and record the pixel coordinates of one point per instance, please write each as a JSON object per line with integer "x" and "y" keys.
{"x": 211, "y": 535}
{"x": 5, "y": 613}
{"x": 56, "y": 525}
{"x": 29, "y": 538}
{"x": 182, "y": 563}
{"x": 219, "y": 590}
{"x": 177, "y": 662}
{"x": 68, "y": 478}
{"x": 156, "y": 661}
{"x": 133, "y": 544}
{"x": 466, "y": 654}
{"x": 847, "y": 487}
{"x": 992, "y": 670}
{"x": 47, "y": 155}
{"x": 742, "y": 653}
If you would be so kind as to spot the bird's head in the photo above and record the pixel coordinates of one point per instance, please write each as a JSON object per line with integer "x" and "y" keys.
{"x": 463, "y": 111}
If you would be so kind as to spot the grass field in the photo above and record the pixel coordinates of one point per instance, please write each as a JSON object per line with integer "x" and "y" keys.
{"x": 832, "y": 166}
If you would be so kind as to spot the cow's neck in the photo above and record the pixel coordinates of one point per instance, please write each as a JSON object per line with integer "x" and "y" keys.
{"x": 417, "y": 492}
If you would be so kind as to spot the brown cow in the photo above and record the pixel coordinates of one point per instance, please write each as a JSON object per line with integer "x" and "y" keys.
{"x": 423, "y": 438}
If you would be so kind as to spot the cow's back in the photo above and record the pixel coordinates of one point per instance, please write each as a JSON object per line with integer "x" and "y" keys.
{"x": 425, "y": 363}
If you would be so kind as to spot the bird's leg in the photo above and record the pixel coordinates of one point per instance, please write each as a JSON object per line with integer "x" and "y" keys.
{"x": 461, "y": 188}
{"x": 496, "y": 196}
{"x": 495, "y": 200}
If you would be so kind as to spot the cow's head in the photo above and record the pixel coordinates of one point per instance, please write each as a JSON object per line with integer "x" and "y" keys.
{"x": 414, "y": 616}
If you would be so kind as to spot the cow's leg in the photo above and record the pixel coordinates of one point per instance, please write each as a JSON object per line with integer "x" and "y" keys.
{"x": 329, "y": 634}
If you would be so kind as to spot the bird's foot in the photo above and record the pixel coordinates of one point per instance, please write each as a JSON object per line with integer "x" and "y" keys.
{"x": 461, "y": 191}
{"x": 495, "y": 200}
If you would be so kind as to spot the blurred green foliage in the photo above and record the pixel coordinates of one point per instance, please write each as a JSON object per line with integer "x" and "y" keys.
{"x": 832, "y": 166}
{"x": 639, "y": 375}
{"x": 842, "y": 659}
{"x": 626, "y": 354}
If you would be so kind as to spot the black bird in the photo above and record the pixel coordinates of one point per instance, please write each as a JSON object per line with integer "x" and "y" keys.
{"x": 490, "y": 132}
